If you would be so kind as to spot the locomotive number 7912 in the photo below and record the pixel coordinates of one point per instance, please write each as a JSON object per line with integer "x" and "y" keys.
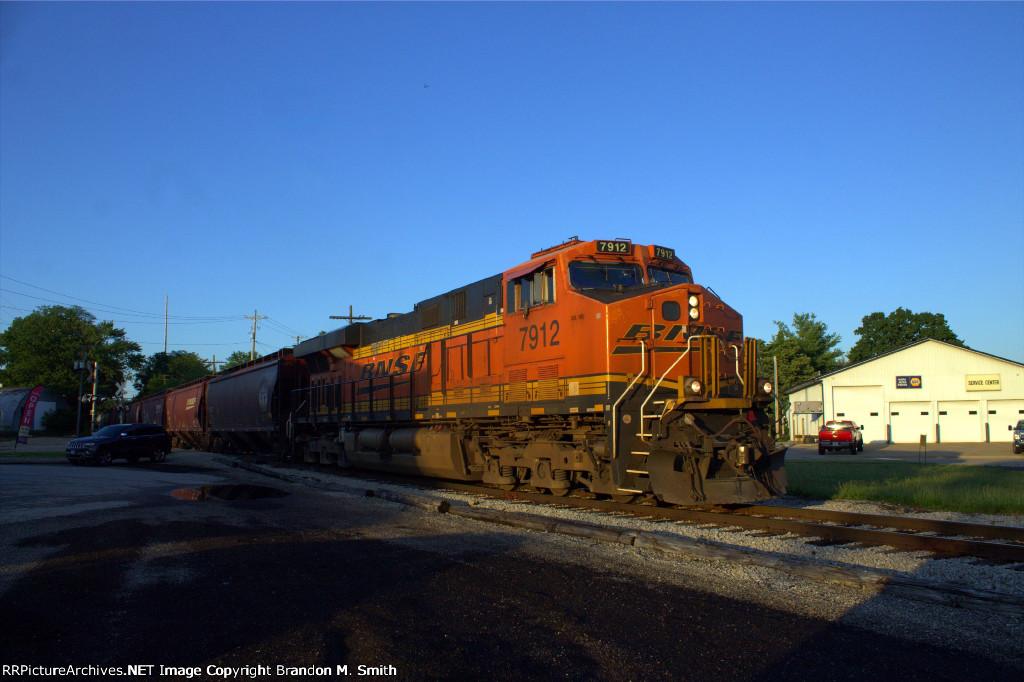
{"x": 538, "y": 336}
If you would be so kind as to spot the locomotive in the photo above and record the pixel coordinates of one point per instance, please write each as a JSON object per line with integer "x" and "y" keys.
{"x": 596, "y": 365}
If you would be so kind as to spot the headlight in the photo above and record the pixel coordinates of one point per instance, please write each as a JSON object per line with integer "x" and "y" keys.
{"x": 694, "y": 301}
{"x": 692, "y": 386}
{"x": 694, "y": 313}
{"x": 767, "y": 387}
{"x": 90, "y": 447}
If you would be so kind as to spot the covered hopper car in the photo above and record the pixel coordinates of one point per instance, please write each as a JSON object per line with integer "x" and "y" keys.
{"x": 243, "y": 409}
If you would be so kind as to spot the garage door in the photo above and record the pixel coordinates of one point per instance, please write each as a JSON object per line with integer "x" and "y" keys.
{"x": 960, "y": 422}
{"x": 910, "y": 420}
{"x": 862, "y": 404}
{"x": 1003, "y": 413}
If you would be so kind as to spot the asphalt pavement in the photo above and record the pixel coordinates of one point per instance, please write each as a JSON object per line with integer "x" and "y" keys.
{"x": 974, "y": 454}
{"x": 114, "y": 566}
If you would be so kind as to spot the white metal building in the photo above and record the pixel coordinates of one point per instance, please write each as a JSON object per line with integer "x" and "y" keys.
{"x": 928, "y": 388}
{"x": 12, "y": 403}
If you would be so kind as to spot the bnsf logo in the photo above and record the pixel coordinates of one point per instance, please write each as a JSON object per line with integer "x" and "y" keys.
{"x": 394, "y": 366}
{"x": 643, "y": 331}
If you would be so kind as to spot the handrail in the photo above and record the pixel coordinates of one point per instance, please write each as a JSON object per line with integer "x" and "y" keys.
{"x": 738, "y": 375}
{"x": 689, "y": 342}
{"x": 615, "y": 406}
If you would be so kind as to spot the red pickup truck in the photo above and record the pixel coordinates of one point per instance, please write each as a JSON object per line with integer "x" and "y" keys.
{"x": 841, "y": 435}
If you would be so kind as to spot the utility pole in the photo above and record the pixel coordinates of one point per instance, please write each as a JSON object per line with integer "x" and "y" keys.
{"x": 92, "y": 398}
{"x": 255, "y": 317}
{"x": 80, "y": 366}
{"x": 298, "y": 338}
{"x": 350, "y": 317}
{"x": 167, "y": 300}
{"x": 213, "y": 363}
{"x": 775, "y": 384}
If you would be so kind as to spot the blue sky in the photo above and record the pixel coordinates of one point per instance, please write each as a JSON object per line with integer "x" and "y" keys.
{"x": 838, "y": 159}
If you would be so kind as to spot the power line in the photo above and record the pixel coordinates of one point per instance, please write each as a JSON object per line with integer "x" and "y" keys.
{"x": 184, "y": 345}
{"x": 148, "y": 318}
{"x": 209, "y": 318}
{"x": 183, "y": 319}
{"x": 282, "y": 327}
{"x": 156, "y": 318}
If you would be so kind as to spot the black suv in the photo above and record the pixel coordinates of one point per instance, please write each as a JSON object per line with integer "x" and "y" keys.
{"x": 121, "y": 441}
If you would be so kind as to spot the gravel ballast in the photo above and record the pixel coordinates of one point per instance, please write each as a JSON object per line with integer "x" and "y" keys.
{"x": 990, "y": 634}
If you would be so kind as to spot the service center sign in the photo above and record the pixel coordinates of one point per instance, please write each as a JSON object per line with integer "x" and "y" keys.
{"x": 983, "y": 382}
{"x": 908, "y": 382}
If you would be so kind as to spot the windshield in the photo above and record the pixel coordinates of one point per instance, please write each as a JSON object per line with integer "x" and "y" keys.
{"x": 596, "y": 275}
{"x": 112, "y": 430}
{"x": 662, "y": 276}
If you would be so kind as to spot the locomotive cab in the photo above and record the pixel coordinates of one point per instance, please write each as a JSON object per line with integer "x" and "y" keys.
{"x": 660, "y": 359}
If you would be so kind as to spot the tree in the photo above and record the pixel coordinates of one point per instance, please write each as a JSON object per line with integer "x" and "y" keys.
{"x": 802, "y": 353}
{"x": 806, "y": 350}
{"x": 239, "y": 357}
{"x": 882, "y": 333}
{"x": 167, "y": 370}
{"x": 43, "y": 347}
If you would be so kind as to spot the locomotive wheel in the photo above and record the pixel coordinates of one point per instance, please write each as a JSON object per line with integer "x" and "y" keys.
{"x": 623, "y": 499}
{"x": 507, "y": 486}
{"x": 560, "y": 492}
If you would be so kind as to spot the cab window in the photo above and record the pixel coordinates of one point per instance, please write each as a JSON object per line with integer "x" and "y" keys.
{"x": 663, "y": 276}
{"x": 532, "y": 290}
{"x": 598, "y": 275}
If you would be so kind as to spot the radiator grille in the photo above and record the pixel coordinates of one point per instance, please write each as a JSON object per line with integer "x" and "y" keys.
{"x": 517, "y": 386}
{"x": 549, "y": 385}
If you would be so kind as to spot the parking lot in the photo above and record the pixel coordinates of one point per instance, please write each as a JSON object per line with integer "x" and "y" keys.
{"x": 975, "y": 454}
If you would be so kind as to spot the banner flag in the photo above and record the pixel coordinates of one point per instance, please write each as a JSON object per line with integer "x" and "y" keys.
{"x": 28, "y": 414}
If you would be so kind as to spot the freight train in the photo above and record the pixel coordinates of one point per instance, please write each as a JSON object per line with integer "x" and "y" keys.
{"x": 596, "y": 365}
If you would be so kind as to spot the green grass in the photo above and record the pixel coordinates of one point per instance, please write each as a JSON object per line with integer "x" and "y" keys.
{"x": 938, "y": 487}
{"x": 32, "y": 455}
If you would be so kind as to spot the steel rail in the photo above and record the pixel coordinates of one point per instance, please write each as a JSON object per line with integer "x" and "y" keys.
{"x": 907, "y": 523}
{"x": 831, "y": 534}
{"x": 831, "y": 527}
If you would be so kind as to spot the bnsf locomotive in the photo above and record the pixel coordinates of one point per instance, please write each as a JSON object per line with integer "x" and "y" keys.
{"x": 596, "y": 366}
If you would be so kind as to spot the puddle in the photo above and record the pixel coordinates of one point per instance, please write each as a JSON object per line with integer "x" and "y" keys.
{"x": 228, "y": 492}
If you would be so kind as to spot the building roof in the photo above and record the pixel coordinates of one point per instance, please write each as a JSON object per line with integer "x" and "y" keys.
{"x": 818, "y": 379}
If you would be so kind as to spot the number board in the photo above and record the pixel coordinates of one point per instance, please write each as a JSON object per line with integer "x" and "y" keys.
{"x": 615, "y": 247}
{"x": 662, "y": 252}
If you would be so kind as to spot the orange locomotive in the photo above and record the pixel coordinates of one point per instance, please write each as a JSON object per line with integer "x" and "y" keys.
{"x": 596, "y": 365}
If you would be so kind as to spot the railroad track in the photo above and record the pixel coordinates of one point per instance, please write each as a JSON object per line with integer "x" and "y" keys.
{"x": 998, "y": 544}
